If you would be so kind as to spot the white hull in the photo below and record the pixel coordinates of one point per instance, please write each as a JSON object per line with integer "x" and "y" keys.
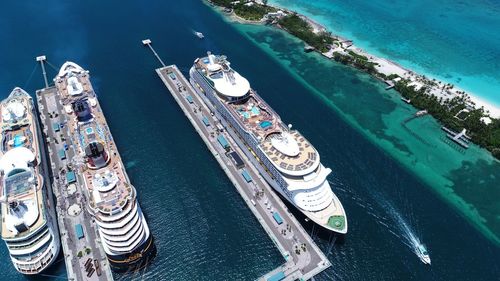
{"x": 49, "y": 255}
{"x": 262, "y": 171}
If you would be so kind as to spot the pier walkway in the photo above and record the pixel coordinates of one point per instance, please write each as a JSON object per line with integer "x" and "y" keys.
{"x": 303, "y": 259}
{"x": 79, "y": 238}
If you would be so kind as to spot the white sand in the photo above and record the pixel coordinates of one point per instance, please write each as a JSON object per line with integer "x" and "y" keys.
{"x": 388, "y": 67}
{"x": 494, "y": 110}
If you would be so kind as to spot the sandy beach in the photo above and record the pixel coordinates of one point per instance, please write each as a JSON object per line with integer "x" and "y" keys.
{"x": 389, "y": 67}
{"x": 384, "y": 65}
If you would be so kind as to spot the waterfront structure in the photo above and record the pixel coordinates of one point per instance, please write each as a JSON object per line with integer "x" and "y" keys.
{"x": 265, "y": 204}
{"x": 288, "y": 162}
{"x": 29, "y": 224}
{"x": 112, "y": 199}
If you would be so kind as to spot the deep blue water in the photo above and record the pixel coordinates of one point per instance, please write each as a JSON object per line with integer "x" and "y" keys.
{"x": 203, "y": 229}
{"x": 456, "y": 41}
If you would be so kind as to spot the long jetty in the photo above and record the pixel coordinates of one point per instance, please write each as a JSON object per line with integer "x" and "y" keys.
{"x": 303, "y": 258}
{"x": 79, "y": 238}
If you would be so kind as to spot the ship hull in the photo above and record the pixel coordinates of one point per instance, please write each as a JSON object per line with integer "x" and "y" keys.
{"x": 136, "y": 260}
{"x": 52, "y": 252}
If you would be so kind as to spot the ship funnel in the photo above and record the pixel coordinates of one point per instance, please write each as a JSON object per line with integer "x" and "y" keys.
{"x": 211, "y": 58}
{"x": 82, "y": 110}
{"x": 96, "y": 155}
{"x": 17, "y": 209}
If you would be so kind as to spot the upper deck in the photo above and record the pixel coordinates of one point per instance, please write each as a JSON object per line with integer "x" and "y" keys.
{"x": 20, "y": 180}
{"x": 105, "y": 177}
{"x": 287, "y": 149}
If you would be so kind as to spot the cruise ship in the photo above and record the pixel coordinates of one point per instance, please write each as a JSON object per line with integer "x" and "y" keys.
{"x": 112, "y": 199}
{"x": 288, "y": 162}
{"x": 29, "y": 223}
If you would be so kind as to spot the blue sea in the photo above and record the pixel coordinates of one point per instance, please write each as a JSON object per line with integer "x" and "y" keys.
{"x": 203, "y": 229}
{"x": 454, "y": 41}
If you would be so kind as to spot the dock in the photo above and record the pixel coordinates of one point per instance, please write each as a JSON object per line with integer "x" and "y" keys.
{"x": 79, "y": 238}
{"x": 303, "y": 258}
{"x": 418, "y": 114}
{"x": 459, "y": 138}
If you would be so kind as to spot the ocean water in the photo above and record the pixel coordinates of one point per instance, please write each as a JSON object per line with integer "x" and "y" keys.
{"x": 454, "y": 41}
{"x": 203, "y": 230}
{"x": 380, "y": 115}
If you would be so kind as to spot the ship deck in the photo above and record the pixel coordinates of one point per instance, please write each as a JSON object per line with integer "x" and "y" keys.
{"x": 97, "y": 130}
{"x": 258, "y": 117}
{"x": 15, "y": 134}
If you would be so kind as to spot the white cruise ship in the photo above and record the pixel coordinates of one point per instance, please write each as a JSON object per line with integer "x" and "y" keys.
{"x": 112, "y": 198}
{"x": 288, "y": 162}
{"x": 29, "y": 224}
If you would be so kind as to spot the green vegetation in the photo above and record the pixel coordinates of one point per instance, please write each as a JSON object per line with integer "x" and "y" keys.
{"x": 87, "y": 251}
{"x": 80, "y": 254}
{"x": 392, "y": 76}
{"x": 300, "y": 28}
{"x": 355, "y": 60}
{"x": 253, "y": 12}
{"x": 487, "y": 136}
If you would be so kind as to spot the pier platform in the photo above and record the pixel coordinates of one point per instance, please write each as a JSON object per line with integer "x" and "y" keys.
{"x": 303, "y": 258}
{"x": 79, "y": 238}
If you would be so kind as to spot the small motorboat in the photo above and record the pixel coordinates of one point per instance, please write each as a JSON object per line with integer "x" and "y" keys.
{"x": 423, "y": 254}
{"x": 199, "y": 34}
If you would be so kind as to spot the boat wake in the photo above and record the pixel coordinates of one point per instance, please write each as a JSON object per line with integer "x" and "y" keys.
{"x": 392, "y": 220}
{"x": 130, "y": 164}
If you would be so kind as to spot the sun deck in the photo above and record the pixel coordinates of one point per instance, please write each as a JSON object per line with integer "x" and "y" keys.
{"x": 288, "y": 150}
{"x": 254, "y": 115}
{"x": 108, "y": 186}
{"x": 265, "y": 124}
{"x": 19, "y": 130}
{"x": 306, "y": 158}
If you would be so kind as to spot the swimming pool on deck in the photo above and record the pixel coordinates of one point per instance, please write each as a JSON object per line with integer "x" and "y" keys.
{"x": 265, "y": 124}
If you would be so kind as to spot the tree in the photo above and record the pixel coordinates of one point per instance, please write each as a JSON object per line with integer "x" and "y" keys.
{"x": 264, "y": 2}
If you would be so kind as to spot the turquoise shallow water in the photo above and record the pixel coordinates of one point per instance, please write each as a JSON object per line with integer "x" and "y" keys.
{"x": 456, "y": 41}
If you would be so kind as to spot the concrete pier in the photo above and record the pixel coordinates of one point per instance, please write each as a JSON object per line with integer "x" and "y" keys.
{"x": 71, "y": 202}
{"x": 303, "y": 259}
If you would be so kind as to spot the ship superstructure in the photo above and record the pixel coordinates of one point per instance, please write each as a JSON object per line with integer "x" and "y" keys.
{"x": 124, "y": 232}
{"x": 29, "y": 225}
{"x": 288, "y": 162}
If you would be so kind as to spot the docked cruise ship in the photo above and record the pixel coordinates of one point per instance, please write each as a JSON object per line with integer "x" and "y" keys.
{"x": 29, "y": 224}
{"x": 288, "y": 162}
{"x": 112, "y": 199}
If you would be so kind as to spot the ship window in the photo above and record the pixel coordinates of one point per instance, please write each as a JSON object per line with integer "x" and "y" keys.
{"x": 15, "y": 172}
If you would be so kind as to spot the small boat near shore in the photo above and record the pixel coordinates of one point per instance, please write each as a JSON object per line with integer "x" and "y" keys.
{"x": 308, "y": 48}
{"x": 408, "y": 101}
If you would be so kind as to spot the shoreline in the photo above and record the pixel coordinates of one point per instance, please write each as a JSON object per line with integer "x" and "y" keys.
{"x": 450, "y": 105}
{"x": 383, "y": 65}
{"x": 388, "y": 67}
